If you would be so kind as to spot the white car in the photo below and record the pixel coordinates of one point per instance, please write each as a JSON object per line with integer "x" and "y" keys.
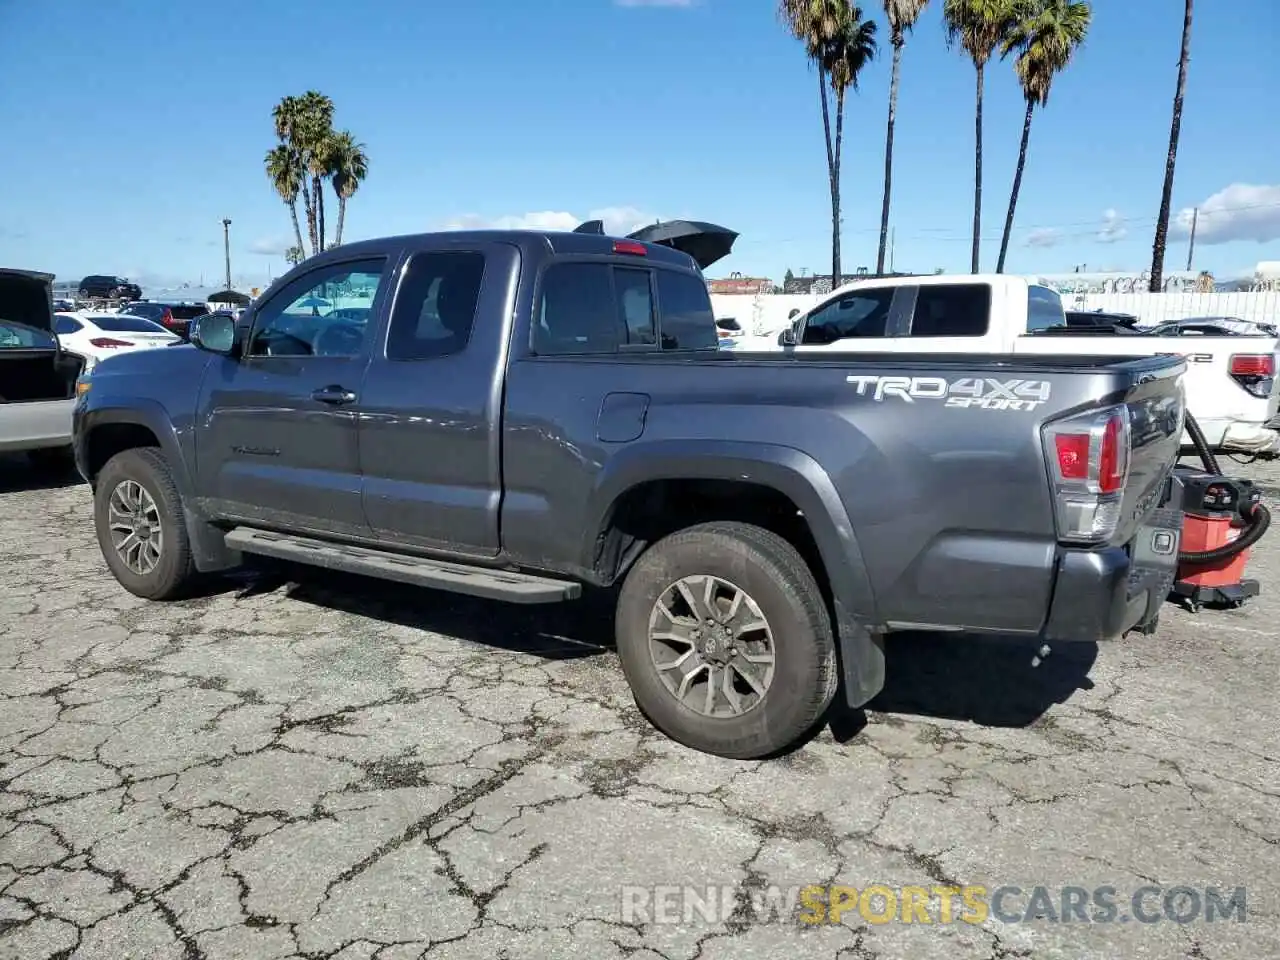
{"x": 102, "y": 335}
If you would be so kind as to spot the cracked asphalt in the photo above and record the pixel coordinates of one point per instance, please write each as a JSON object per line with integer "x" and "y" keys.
{"x": 304, "y": 765}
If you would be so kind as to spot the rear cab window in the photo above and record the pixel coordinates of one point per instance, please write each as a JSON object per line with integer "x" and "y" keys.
{"x": 952, "y": 310}
{"x": 1044, "y": 309}
{"x": 603, "y": 308}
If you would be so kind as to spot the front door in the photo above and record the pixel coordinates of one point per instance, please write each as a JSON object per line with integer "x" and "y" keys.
{"x": 431, "y": 404}
{"x": 278, "y": 444}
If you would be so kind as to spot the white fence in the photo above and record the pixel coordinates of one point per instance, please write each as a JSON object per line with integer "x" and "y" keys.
{"x": 767, "y": 313}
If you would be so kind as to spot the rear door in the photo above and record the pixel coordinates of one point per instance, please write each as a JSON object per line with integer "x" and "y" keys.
{"x": 430, "y": 410}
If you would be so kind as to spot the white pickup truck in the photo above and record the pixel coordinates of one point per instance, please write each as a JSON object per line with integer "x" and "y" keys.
{"x": 1230, "y": 382}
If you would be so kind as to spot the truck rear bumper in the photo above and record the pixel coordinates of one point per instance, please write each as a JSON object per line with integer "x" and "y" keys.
{"x": 1103, "y": 594}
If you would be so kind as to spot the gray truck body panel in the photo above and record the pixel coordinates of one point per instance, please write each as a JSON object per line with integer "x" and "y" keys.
{"x": 926, "y": 513}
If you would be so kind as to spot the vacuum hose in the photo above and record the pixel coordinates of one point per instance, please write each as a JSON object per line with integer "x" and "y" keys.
{"x": 1259, "y": 517}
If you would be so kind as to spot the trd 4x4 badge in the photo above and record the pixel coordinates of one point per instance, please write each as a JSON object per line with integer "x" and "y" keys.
{"x": 984, "y": 393}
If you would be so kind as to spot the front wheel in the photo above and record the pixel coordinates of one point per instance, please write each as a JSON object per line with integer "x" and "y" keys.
{"x": 140, "y": 527}
{"x": 725, "y": 640}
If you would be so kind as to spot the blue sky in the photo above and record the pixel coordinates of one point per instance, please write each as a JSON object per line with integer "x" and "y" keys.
{"x": 133, "y": 128}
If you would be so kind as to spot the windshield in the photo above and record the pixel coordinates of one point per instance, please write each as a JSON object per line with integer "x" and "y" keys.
{"x": 125, "y": 323}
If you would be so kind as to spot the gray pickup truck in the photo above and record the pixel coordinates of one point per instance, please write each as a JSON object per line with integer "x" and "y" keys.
{"x": 522, "y": 415}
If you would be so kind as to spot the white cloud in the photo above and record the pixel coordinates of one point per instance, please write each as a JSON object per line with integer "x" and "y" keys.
{"x": 1044, "y": 237}
{"x": 618, "y": 221}
{"x": 271, "y": 246}
{"x": 1241, "y": 211}
{"x": 1113, "y": 227}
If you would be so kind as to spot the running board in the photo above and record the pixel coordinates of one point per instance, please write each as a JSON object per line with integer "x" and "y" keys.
{"x": 420, "y": 571}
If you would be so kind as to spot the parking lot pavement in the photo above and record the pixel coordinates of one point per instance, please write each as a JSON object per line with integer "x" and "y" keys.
{"x": 344, "y": 769}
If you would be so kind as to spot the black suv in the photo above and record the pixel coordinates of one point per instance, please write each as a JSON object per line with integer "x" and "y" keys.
{"x": 109, "y": 288}
{"x": 174, "y": 316}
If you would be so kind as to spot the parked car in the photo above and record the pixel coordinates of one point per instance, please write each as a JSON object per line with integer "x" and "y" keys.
{"x": 1230, "y": 381}
{"x": 174, "y": 315}
{"x": 570, "y": 423}
{"x": 37, "y": 375}
{"x": 102, "y": 335}
{"x": 101, "y": 287}
{"x": 1213, "y": 327}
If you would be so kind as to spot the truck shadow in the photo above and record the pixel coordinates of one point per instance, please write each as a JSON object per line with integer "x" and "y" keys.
{"x": 987, "y": 680}
{"x": 18, "y": 474}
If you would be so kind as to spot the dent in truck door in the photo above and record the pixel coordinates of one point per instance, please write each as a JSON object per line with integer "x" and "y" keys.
{"x": 278, "y": 441}
{"x": 430, "y": 414}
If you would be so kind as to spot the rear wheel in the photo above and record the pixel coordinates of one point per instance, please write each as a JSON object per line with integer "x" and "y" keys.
{"x": 140, "y": 526}
{"x": 725, "y": 640}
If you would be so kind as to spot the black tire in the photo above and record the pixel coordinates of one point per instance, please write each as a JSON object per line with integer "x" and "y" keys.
{"x": 84, "y": 293}
{"x": 775, "y": 576}
{"x": 175, "y": 573}
{"x": 56, "y": 461}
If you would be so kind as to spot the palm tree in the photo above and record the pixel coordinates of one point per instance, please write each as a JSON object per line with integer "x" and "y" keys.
{"x": 304, "y": 124}
{"x": 1048, "y": 33}
{"x": 348, "y": 165}
{"x": 979, "y": 26}
{"x": 1166, "y": 197}
{"x": 902, "y": 16}
{"x": 286, "y": 176}
{"x": 840, "y": 43}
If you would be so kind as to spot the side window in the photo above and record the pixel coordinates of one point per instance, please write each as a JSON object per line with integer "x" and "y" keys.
{"x": 313, "y": 316}
{"x": 688, "y": 322}
{"x": 1044, "y": 309}
{"x": 952, "y": 310}
{"x": 856, "y": 314}
{"x": 635, "y": 301}
{"x": 435, "y": 306}
{"x": 576, "y": 312}
{"x": 65, "y": 325}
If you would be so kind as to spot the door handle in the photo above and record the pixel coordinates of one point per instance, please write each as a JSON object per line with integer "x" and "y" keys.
{"x": 334, "y": 394}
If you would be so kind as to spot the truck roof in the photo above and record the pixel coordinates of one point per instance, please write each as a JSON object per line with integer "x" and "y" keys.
{"x": 549, "y": 241}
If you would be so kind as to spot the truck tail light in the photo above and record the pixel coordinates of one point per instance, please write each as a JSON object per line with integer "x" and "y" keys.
{"x": 1088, "y": 457}
{"x": 107, "y": 342}
{"x": 166, "y": 318}
{"x": 629, "y": 247}
{"x": 1255, "y": 372}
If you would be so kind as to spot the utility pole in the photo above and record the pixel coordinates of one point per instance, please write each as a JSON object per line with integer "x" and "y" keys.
{"x": 1191, "y": 248}
{"x": 226, "y": 247}
{"x": 893, "y": 243}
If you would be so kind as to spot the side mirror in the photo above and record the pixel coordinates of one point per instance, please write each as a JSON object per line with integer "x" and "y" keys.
{"x": 217, "y": 333}
{"x": 787, "y": 338}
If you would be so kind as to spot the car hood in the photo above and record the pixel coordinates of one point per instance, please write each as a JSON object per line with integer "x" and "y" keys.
{"x": 26, "y": 297}
{"x": 151, "y": 367}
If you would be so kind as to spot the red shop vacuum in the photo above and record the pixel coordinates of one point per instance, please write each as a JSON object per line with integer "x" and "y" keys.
{"x": 1222, "y": 518}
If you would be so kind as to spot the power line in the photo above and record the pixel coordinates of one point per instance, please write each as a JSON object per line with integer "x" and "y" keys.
{"x": 936, "y": 234}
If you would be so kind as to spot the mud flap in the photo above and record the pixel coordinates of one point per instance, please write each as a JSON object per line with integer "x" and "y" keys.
{"x": 861, "y": 654}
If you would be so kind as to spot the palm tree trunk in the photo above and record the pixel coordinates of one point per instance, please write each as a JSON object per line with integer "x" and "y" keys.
{"x": 342, "y": 213}
{"x": 888, "y": 150}
{"x": 1166, "y": 197}
{"x": 297, "y": 230}
{"x": 977, "y": 179}
{"x": 317, "y": 188}
{"x": 309, "y": 208}
{"x": 1017, "y": 185}
{"x": 835, "y": 192}
{"x": 831, "y": 175}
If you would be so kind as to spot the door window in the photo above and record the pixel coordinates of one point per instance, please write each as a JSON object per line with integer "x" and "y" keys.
{"x": 64, "y": 325}
{"x": 952, "y": 310}
{"x": 436, "y": 305}
{"x": 325, "y": 312}
{"x": 856, "y": 314}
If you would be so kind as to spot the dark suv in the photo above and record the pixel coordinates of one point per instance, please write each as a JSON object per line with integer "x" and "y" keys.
{"x": 175, "y": 317}
{"x": 109, "y": 288}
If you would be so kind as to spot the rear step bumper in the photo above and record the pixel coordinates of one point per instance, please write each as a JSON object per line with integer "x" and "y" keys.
{"x": 420, "y": 571}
